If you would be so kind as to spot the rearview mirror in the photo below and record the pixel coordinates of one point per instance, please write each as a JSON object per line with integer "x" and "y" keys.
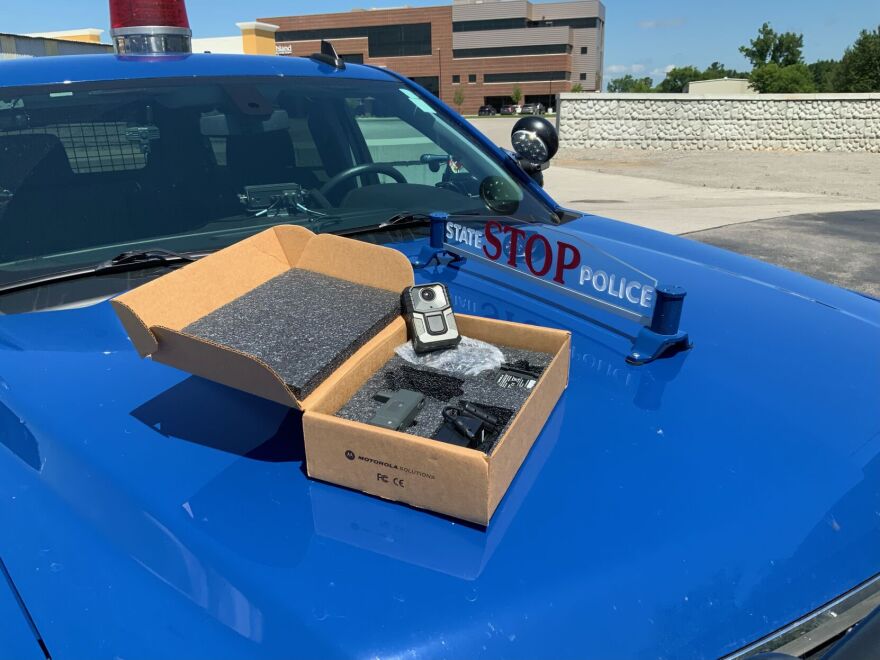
{"x": 223, "y": 125}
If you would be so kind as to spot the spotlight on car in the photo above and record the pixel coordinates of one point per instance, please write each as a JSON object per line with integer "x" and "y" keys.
{"x": 535, "y": 140}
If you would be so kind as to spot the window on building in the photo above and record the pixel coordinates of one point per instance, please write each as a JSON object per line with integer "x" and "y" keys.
{"x": 583, "y": 76}
{"x": 490, "y": 24}
{"x": 472, "y": 78}
{"x": 525, "y": 76}
{"x": 384, "y": 40}
{"x": 354, "y": 58}
{"x": 456, "y": 80}
{"x": 584, "y": 50}
{"x": 322, "y": 33}
{"x": 567, "y": 22}
{"x": 509, "y": 51}
{"x": 431, "y": 83}
{"x": 400, "y": 40}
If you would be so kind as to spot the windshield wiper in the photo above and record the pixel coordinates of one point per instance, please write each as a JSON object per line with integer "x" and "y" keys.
{"x": 137, "y": 259}
{"x": 403, "y": 220}
{"x": 126, "y": 261}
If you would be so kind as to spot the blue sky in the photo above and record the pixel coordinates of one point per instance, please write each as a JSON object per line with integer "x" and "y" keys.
{"x": 642, "y": 37}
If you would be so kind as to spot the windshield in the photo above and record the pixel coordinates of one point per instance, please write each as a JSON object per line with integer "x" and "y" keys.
{"x": 91, "y": 170}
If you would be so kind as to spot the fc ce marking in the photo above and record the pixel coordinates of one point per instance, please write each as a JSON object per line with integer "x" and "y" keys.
{"x": 384, "y": 478}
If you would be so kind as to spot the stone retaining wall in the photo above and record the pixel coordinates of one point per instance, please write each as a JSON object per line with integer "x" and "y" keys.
{"x": 799, "y": 122}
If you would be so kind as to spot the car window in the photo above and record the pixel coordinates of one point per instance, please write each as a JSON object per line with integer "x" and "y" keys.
{"x": 91, "y": 170}
{"x": 390, "y": 139}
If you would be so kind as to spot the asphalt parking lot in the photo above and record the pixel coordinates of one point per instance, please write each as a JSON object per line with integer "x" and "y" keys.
{"x": 843, "y": 248}
{"x": 816, "y": 213}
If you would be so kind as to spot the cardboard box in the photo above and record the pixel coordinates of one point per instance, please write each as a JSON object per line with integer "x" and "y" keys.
{"x": 456, "y": 481}
{"x": 406, "y": 534}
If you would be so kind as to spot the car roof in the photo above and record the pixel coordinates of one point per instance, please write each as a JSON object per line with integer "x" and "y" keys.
{"x": 93, "y": 68}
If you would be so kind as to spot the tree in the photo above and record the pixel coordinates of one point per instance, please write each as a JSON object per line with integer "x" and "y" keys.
{"x": 788, "y": 49}
{"x": 577, "y": 87}
{"x": 824, "y": 74}
{"x": 770, "y": 47}
{"x": 777, "y": 62}
{"x": 774, "y": 79}
{"x": 718, "y": 70}
{"x": 516, "y": 94}
{"x": 629, "y": 84}
{"x": 677, "y": 79}
{"x": 859, "y": 70}
{"x": 759, "y": 51}
{"x": 458, "y": 98}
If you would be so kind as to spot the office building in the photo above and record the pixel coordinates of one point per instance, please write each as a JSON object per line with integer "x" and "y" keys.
{"x": 482, "y": 49}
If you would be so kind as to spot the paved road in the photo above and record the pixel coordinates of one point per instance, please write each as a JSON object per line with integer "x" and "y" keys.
{"x": 842, "y": 248}
{"x": 679, "y": 208}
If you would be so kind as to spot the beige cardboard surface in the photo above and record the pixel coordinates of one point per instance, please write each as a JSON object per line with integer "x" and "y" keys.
{"x": 222, "y": 365}
{"x": 464, "y": 483}
{"x": 154, "y": 314}
{"x": 185, "y": 295}
{"x": 357, "y": 261}
{"x": 460, "y": 482}
{"x": 396, "y": 466}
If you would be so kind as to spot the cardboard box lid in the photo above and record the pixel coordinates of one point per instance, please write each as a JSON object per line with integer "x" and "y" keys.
{"x": 155, "y": 314}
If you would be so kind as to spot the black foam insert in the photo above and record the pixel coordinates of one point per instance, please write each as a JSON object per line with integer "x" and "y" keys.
{"x": 440, "y": 386}
{"x": 302, "y": 324}
{"x": 440, "y": 391}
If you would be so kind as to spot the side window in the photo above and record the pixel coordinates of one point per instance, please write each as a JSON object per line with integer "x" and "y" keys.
{"x": 393, "y": 141}
{"x": 307, "y": 154}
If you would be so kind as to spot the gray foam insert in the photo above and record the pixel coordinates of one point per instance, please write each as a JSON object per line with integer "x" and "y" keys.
{"x": 481, "y": 389}
{"x": 302, "y": 324}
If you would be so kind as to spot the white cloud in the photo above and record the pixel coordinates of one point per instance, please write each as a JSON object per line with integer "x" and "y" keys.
{"x": 661, "y": 72}
{"x": 661, "y": 23}
{"x": 617, "y": 69}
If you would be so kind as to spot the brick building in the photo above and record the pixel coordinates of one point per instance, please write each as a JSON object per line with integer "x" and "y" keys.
{"x": 484, "y": 48}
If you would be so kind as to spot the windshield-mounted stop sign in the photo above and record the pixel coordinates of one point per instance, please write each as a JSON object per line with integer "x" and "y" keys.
{"x": 559, "y": 259}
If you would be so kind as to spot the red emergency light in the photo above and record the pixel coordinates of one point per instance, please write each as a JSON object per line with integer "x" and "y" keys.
{"x": 150, "y": 27}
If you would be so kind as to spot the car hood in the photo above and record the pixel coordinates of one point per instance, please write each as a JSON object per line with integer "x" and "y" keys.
{"x": 683, "y": 508}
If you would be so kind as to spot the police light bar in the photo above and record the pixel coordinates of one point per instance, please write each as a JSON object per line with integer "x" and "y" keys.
{"x": 150, "y": 27}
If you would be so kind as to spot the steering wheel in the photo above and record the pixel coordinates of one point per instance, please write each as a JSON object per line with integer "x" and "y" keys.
{"x": 357, "y": 170}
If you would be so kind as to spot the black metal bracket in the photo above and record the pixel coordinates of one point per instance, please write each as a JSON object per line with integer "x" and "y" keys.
{"x": 663, "y": 335}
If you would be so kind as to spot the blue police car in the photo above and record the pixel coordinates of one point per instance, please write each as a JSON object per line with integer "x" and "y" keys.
{"x": 708, "y": 486}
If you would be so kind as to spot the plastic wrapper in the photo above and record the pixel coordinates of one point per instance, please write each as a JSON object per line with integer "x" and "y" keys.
{"x": 470, "y": 358}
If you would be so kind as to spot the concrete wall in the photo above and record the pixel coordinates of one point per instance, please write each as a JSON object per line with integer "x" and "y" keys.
{"x": 799, "y": 122}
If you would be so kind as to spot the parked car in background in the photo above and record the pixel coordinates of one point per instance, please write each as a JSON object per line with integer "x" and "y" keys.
{"x": 533, "y": 109}
{"x": 510, "y": 109}
{"x": 487, "y": 111}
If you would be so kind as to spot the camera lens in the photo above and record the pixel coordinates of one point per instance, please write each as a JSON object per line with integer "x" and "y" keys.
{"x": 427, "y": 295}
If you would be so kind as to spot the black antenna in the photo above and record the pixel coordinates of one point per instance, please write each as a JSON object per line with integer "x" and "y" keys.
{"x": 328, "y": 55}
